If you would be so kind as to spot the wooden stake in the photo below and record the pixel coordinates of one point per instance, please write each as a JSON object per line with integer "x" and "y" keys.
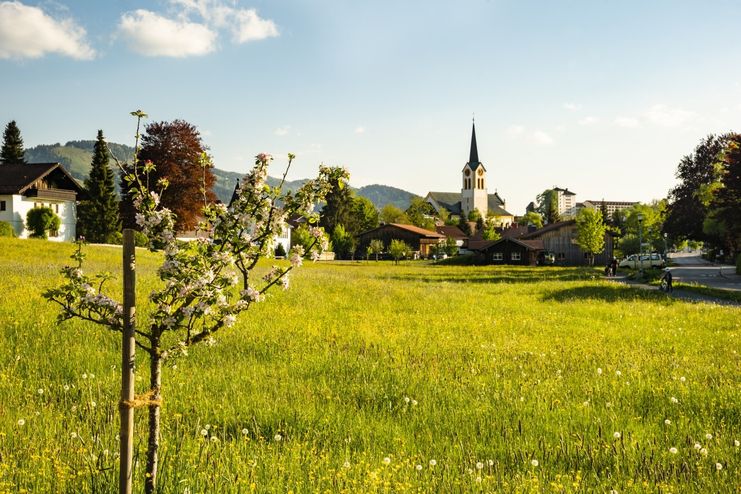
{"x": 128, "y": 349}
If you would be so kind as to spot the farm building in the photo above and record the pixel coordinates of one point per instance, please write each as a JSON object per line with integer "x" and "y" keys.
{"x": 26, "y": 186}
{"x": 560, "y": 240}
{"x": 509, "y": 250}
{"x": 419, "y": 239}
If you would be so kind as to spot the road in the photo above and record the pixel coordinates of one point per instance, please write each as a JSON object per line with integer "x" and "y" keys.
{"x": 690, "y": 267}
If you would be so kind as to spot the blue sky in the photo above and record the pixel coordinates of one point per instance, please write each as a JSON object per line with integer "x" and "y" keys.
{"x": 601, "y": 97}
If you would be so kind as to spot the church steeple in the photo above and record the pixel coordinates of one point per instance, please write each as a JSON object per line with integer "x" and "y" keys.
{"x": 473, "y": 159}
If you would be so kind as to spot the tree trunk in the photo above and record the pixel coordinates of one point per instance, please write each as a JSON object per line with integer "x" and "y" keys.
{"x": 126, "y": 410}
{"x": 153, "y": 444}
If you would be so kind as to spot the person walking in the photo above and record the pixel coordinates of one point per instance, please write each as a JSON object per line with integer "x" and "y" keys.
{"x": 666, "y": 281}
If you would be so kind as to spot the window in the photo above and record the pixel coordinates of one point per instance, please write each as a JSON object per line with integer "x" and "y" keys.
{"x": 561, "y": 256}
{"x": 516, "y": 256}
{"x": 2, "y": 206}
{"x": 56, "y": 208}
{"x": 497, "y": 256}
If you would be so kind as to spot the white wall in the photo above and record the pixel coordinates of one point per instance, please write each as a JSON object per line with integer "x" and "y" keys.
{"x": 17, "y": 207}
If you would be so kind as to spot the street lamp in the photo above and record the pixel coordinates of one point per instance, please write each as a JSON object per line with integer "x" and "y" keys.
{"x": 665, "y": 235}
{"x": 640, "y": 242}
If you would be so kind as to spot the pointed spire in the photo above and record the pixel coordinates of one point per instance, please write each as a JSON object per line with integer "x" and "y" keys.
{"x": 473, "y": 159}
{"x": 235, "y": 194}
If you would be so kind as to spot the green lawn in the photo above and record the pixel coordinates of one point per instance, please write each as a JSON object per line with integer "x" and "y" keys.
{"x": 370, "y": 377}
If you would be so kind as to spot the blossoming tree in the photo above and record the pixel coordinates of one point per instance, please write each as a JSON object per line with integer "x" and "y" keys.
{"x": 206, "y": 283}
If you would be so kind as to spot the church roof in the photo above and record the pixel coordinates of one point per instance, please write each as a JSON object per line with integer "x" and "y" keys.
{"x": 452, "y": 202}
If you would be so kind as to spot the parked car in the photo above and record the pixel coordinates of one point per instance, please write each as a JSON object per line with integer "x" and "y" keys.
{"x": 546, "y": 258}
{"x": 652, "y": 260}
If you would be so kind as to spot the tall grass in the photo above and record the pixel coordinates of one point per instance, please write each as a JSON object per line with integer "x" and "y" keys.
{"x": 370, "y": 377}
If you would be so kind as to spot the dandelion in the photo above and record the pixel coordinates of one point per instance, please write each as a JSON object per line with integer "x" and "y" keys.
{"x": 673, "y": 400}
{"x": 667, "y": 422}
{"x": 704, "y": 452}
{"x": 683, "y": 379}
{"x": 66, "y": 387}
{"x": 214, "y": 439}
{"x": 92, "y": 376}
{"x": 346, "y": 465}
{"x": 84, "y": 375}
{"x": 534, "y": 462}
{"x": 718, "y": 466}
{"x": 479, "y": 466}
{"x": 414, "y": 403}
{"x": 208, "y": 426}
{"x": 616, "y": 435}
{"x": 618, "y": 373}
{"x": 204, "y": 432}
{"x": 407, "y": 399}
{"x": 708, "y": 436}
{"x": 73, "y": 435}
{"x": 673, "y": 450}
{"x": 599, "y": 371}
{"x": 697, "y": 446}
{"x": 93, "y": 404}
{"x": 491, "y": 463}
{"x": 736, "y": 443}
{"x": 278, "y": 438}
{"x": 478, "y": 479}
{"x": 433, "y": 462}
{"x": 245, "y": 432}
{"x": 386, "y": 460}
{"x": 585, "y": 404}
{"x": 40, "y": 391}
{"x": 418, "y": 468}
{"x": 21, "y": 422}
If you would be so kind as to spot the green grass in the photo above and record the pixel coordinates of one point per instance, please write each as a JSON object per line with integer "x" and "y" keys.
{"x": 500, "y": 367}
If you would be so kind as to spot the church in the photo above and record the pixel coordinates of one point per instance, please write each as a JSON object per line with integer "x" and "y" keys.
{"x": 474, "y": 193}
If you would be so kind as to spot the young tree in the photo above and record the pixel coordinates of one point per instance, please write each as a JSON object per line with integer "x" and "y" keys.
{"x": 12, "y": 150}
{"x": 375, "y": 247}
{"x": 205, "y": 284}
{"x": 41, "y": 221}
{"x": 451, "y": 247}
{"x": 421, "y": 213}
{"x": 399, "y": 250}
{"x": 98, "y": 215}
{"x": 590, "y": 232}
{"x": 533, "y": 218}
{"x": 178, "y": 152}
{"x": 342, "y": 243}
{"x": 548, "y": 206}
{"x": 363, "y": 216}
{"x": 489, "y": 231}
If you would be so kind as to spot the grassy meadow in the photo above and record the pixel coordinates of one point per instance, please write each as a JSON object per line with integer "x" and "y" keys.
{"x": 370, "y": 377}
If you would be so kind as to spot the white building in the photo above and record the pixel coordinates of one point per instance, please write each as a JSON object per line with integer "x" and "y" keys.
{"x": 26, "y": 186}
{"x": 611, "y": 206}
{"x": 566, "y": 202}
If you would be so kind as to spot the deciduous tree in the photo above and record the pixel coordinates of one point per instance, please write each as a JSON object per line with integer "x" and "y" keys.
{"x": 399, "y": 250}
{"x": 548, "y": 206}
{"x": 590, "y": 232}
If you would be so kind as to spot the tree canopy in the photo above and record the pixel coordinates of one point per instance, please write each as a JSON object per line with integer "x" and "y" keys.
{"x": 590, "y": 232}
{"x": 12, "y": 150}
{"x": 548, "y": 206}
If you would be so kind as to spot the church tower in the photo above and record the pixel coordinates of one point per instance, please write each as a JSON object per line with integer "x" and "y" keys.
{"x": 473, "y": 193}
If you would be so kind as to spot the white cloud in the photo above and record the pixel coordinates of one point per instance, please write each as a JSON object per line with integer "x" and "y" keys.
{"x": 571, "y": 106}
{"x": 282, "y": 131}
{"x": 542, "y": 138}
{"x": 514, "y": 131}
{"x": 245, "y": 25}
{"x": 586, "y": 121}
{"x": 665, "y": 116}
{"x": 627, "y": 122}
{"x": 248, "y": 26}
{"x": 360, "y": 130}
{"x": 28, "y": 32}
{"x": 152, "y": 35}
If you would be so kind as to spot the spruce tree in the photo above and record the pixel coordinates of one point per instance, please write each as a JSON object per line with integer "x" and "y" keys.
{"x": 12, "y": 150}
{"x": 98, "y": 215}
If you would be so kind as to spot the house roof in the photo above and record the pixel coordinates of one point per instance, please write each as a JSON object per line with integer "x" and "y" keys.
{"x": 451, "y": 231}
{"x": 547, "y": 228}
{"x": 565, "y": 192}
{"x": 528, "y": 244}
{"x": 417, "y": 230}
{"x": 18, "y": 178}
{"x": 452, "y": 202}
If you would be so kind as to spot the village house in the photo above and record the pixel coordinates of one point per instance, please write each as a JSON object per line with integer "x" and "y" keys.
{"x": 27, "y": 186}
{"x": 474, "y": 193}
{"x": 420, "y": 240}
{"x": 559, "y": 239}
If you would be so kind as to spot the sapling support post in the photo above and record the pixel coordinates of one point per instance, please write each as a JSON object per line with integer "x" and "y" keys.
{"x": 128, "y": 348}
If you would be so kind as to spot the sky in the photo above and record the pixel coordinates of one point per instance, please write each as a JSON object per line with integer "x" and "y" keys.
{"x": 602, "y": 98}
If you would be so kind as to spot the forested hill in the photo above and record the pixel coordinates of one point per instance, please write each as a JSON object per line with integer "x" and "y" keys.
{"x": 77, "y": 155}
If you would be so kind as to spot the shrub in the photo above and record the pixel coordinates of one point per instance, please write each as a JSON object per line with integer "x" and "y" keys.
{"x": 280, "y": 251}
{"x": 6, "y": 229}
{"x": 41, "y": 221}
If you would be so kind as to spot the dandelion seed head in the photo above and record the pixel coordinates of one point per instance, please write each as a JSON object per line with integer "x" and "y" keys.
{"x": 418, "y": 468}
{"x": 479, "y": 465}
{"x": 718, "y": 466}
{"x": 616, "y": 435}
{"x": 346, "y": 465}
{"x": 278, "y": 438}
{"x": 673, "y": 400}
{"x": 673, "y": 450}
{"x": 204, "y": 432}
{"x": 697, "y": 446}
{"x": 599, "y": 371}
{"x": 667, "y": 422}
{"x": 21, "y": 422}
{"x": 386, "y": 460}
{"x": 736, "y": 443}
{"x": 245, "y": 432}
{"x": 708, "y": 436}
{"x": 433, "y": 462}
{"x": 534, "y": 462}
{"x": 704, "y": 452}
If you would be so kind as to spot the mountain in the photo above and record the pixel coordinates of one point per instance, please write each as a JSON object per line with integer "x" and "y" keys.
{"x": 76, "y": 156}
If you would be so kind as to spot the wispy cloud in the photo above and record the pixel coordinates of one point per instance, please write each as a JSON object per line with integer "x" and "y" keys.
{"x": 665, "y": 116}
{"x": 572, "y": 106}
{"x": 627, "y": 122}
{"x": 514, "y": 131}
{"x": 29, "y": 32}
{"x": 360, "y": 130}
{"x": 150, "y": 34}
{"x": 192, "y": 27}
{"x": 282, "y": 131}
{"x": 587, "y": 121}
{"x": 542, "y": 138}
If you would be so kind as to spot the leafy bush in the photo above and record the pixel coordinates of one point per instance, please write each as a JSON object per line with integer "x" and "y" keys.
{"x": 280, "y": 251}
{"x": 41, "y": 221}
{"x": 6, "y": 229}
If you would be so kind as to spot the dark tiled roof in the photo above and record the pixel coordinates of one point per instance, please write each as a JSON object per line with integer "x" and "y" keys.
{"x": 17, "y": 178}
{"x": 528, "y": 244}
{"x": 451, "y": 231}
{"x": 548, "y": 228}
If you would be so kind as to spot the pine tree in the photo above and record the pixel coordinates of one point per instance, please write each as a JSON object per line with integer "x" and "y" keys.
{"x": 98, "y": 216}
{"x": 12, "y": 150}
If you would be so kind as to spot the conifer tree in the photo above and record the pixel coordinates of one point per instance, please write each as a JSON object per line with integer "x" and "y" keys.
{"x": 98, "y": 215}
{"x": 12, "y": 150}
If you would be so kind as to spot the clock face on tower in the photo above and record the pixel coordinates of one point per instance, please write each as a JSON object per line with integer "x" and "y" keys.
{"x": 481, "y": 171}
{"x": 468, "y": 172}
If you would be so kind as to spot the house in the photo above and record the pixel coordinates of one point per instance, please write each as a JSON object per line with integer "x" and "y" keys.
{"x": 420, "y": 240}
{"x": 560, "y": 240}
{"x": 452, "y": 231}
{"x": 508, "y": 250}
{"x": 474, "y": 193}
{"x": 26, "y": 186}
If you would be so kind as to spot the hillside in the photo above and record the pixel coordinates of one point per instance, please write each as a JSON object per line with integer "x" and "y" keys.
{"x": 77, "y": 155}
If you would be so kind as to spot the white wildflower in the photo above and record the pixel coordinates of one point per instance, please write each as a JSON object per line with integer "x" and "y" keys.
{"x": 673, "y": 450}
{"x": 386, "y": 460}
{"x": 433, "y": 462}
{"x": 534, "y": 462}
{"x": 718, "y": 466}
{"x": 616, "y": 435}
{"x": 278, "y": 438}
{"x": 21, "y": 422}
